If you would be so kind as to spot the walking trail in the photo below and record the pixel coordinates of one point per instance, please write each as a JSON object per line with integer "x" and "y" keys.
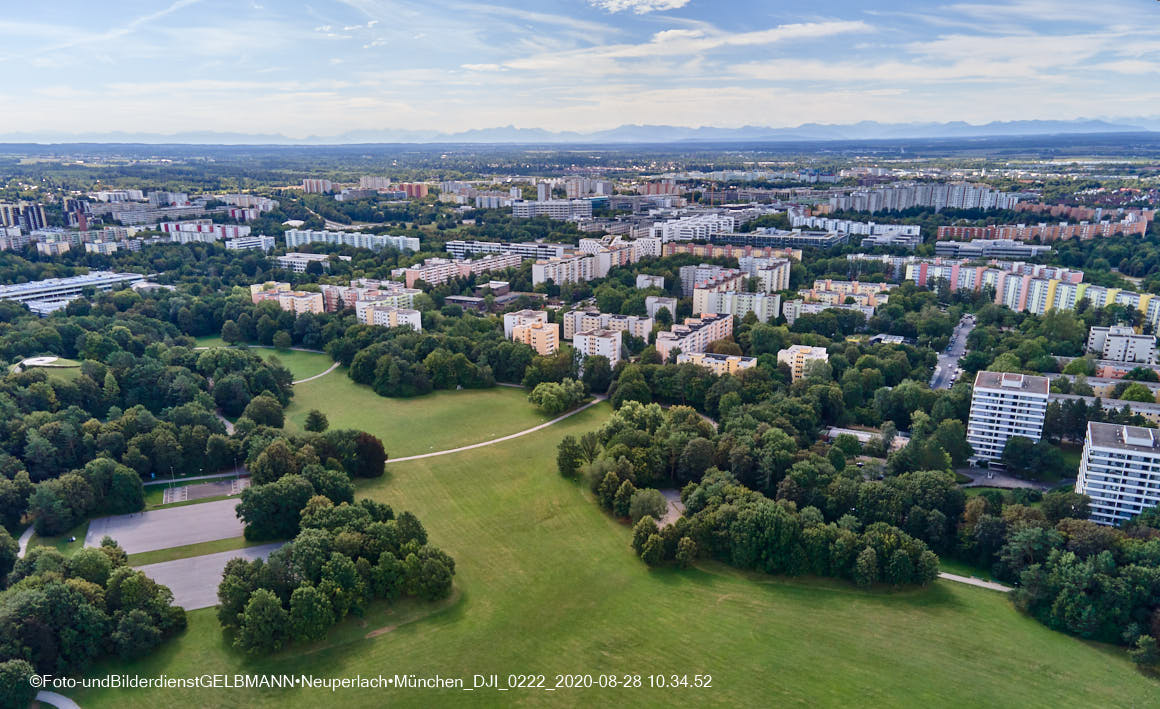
{"x": 990, "y": 585}
{"x": 57, "y": 700}
{"x": 501, "y": 439}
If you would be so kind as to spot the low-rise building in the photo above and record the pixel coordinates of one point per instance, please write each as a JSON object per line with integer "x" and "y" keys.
{"x": 644, "y": 280}
{"x": 720, "y": 364}
{"x": 299, "y": 262}
{"x": 1120, "y": 471}
{"x": 798, "y": 357}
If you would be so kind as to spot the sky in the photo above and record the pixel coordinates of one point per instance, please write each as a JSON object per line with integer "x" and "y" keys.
{"x": 327, "y": 67}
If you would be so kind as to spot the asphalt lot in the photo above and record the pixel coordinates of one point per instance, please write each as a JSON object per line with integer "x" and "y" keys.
{"x": 172, "y": 527}
{"x": 194, "y": 581}
{"x": 948, "y": 360}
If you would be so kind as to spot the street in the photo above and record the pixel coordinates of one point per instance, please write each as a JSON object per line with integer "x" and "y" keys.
{"x": 948, "y": 360}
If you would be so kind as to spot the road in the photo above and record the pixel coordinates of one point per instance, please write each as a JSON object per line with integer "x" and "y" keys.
{"x": 948, "y": 360}
{"x": 172, "y": 527}
{"x": 194, "y": 581}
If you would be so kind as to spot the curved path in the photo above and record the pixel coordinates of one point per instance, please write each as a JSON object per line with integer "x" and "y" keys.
{"x": 24, "y": 539}
{"x": 57, "y": 700}
{"x": 316, "y": 376}
{"x": 501, "y": 439}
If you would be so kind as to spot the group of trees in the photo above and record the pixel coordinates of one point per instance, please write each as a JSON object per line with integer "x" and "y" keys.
{"x": 58, "y": 615}
{"x": 344, "y": 557}
{"x": 555, "y": 398}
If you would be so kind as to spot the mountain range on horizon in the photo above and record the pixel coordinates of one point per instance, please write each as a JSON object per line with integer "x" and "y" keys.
{"x": 624, "y": 134}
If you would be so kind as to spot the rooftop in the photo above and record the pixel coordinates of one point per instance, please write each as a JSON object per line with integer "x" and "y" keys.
{"x": 1008, "y": 381}
{"x": 1130, "y": 438}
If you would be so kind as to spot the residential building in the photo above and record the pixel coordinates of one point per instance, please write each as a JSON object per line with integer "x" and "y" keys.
{"x": 388, "y": 316}
{"x": 1131, "y": 225}
{"x": 989, "y": 248}
{"x": 526, "y": 250}
{"x": 694, "y": 335}
{"x": 771, "y": 273}
{"x": 1004, "y": 405}
{"x": 599, "y": 342}
{"x": 898, "y": 196}
{"x": 796, "y": 238}
{"x": 517, "y": 318}
{"x": 834, "y": 292}
{"x": 580, "y": 320}
{"x": 434, "y": 271}
{"x": 299, "y": 302}
{"x": 653, "y": 303}
{"x": 700, "y": 227}
{"x": 204, "y": 228}
{"x": 53, "y": 248}
{"x": 718, "y": 250}
{"x": 906, "y": 241}
{"x": 1122, "y": 344}
{"x": 249, "y": 243}
{"x": 374, "y": 182}
{"x": 646, "y": 281}
{"x": 543, "y": 337}
{"x": 798, "y": 358}
{"x": 821, "y": 223}
{"x": 27, "y": 216}
{"x": 561, "y": 209}
{"x": 1120, "y": 471}
{"x": 709, "y": 277}
{"x": 300, "y": 237}
{"x": 317, "y": 186}
{"x": 386, "y": 293}
{"x": 765, "y": 306}
{"x": 367, "y": 299}
{"x": 720, "y": 364}
{"x": 573, "y": 268}
{"x": 298, "y": 262}
{"x": 104, "y": 248}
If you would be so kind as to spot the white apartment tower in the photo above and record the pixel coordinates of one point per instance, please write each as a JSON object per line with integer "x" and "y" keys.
{"x": 1004, "y": 405}
{"x": 1122, "y": 344}
{"x": 1119, "y": 471}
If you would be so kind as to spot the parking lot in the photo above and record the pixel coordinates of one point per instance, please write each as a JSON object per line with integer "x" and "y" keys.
{"x": 194, "y": 581}
{"x": 173, "y": 527}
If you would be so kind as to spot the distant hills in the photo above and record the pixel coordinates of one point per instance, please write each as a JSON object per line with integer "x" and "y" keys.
{"x": 625, "y": 134}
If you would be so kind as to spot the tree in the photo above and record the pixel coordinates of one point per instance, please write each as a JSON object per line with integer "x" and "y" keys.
{"x": 282, "y": 340}
{"x": 136, "y": 635}
{"x": 622, "y": 501}
{"x": 597, "y": 374}
{"x": 16, "y": 691}
{"x": 568, "y": 455}
{"x": 273, "y": 511}
{"x": 647, "y": 503}
{"x": 316, "y": 421}
{"x": 310, "y": 613}
{"x": 641, "y": 531}
{"x": 265, "y": 410}
{"x": 686, "y": 552}
{"x": 1145, "y": 652}
{"x": 696, "y": 457}
{"x": 1065, "y": 504}
{"x": 230, "y": 332}
{"x": 606, "y": 490}
{"x": 264, "y": 626}
{"x": 370, "y": 458}
{"x": 653, "y": 551}
{"x": 866, "y": 568}
{"x": 1137, "y": 392}
{"x": 9, "y": 549}
{"x": 1018, "y": 454}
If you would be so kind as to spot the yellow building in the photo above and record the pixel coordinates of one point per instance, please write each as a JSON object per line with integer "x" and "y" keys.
{"x": 299, "y": 302}
{"x": 543, "y": 337}
{"x": 799, "y": 356}
{"x": 720, "y": 364}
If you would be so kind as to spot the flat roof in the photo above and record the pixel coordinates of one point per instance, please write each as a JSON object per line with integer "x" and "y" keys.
{"x": 1112, "y": 435}
{"x": 1009, "y": 381}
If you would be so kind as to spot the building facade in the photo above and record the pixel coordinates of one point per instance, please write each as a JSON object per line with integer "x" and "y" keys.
{"x": 599, "y": 342}
{"x": 1004, "y": 405}
{"x": 798, "y": 357}
{"x": 1122, "y": 344}
{"x": 1119, "y": 471}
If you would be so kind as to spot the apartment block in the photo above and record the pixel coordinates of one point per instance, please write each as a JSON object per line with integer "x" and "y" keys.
{"x": 435, "y": 271}
{"x": 653, "y": 303}
{"x": 1131, "y": 225}
{"x": 765, "y": 306}
{"x": 301, "y": 237}
{"x": 695, "y": 228}
{"x": 1119, "y": 470}
{"x": 599, "y": 342}
{"x": 717, "y": 250}
{"x": 772, "y": 273}
{"x": 990, "y": 248}
{"x": 1004, "y": 405}
{"x": 576, "y": 268}
{"x": 526, "y": 250}
{"x": 205, "y": 227}
{"x": 543, "y": 337}
{"x": 316, "y": 186}
{"x": 797, "y": 357}
{"x": 709, "y": 277}
{"x": 249, "y": 243}
{"x": 794, "y": 309}
{"x": 522, "y": 317}
{"x": 719, "y": 364}
{"x": 560, "y": 209}
{"x": 839, "y": 292}
{"x": 299, "y": 262}
{"x": 387, "y": 316}
{"x": 646, "y": 281}
{"x": 1122, "y": 344}
{"x": 386, "y": 293}
{"x": 581, "y": 320}
{"x": 292, "y": 301}
{"x": 694, "y": 335}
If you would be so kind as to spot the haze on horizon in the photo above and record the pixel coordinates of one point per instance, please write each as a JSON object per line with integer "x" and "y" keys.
{"x": 326, "y": 67}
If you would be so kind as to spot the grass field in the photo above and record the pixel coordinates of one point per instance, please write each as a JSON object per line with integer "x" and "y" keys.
{"x": 184, "y": 552}
{"x": 61, "y": 542}
{"x": 437, "y": 421}
{"x": 548, "y": 584}
{"x": 300, "y": 364}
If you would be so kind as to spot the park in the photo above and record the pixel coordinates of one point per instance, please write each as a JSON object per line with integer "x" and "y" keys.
{"x": 546, "y": 583}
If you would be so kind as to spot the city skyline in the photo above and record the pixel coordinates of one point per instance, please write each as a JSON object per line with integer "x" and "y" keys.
{"x": 330, "y": 67}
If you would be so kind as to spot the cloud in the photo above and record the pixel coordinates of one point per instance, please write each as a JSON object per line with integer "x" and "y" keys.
{"x": 640, "y": 7}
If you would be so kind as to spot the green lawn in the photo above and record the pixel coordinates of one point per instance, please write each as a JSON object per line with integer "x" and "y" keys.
{"x": 184, "y": 552}
{"x": 548, "y": 584}
{"x": 437, "y": 421}
{"x": 300, "y": 364}
{"x": 62, "y": 368}
{"x": 61, "y": 542}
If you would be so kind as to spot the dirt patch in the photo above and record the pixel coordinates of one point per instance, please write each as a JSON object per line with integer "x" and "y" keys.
{"x": 380, "y": 631}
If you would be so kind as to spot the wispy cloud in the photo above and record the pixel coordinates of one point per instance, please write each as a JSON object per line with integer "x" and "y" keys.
{"x": 640, "y": 7}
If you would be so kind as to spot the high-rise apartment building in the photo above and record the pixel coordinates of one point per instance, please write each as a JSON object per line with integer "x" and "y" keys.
{"x": 694, "y": 335}
{"x": 1119, "y": 471}
{"x": 798, "y": 357}
{"x": 1122, "y": 344}
{"x": 543, "y": 337}
{"x": 1004, "y": 405}
{"x": 599, "y": 342}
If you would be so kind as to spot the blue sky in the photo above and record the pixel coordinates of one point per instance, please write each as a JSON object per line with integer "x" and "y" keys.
{"x": 324, "y": 67}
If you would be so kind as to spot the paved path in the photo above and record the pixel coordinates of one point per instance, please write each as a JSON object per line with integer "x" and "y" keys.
{"x": 316, "y": 376}
{"x": 57, "y": 700}
{"x": 239, "y": 472}
{"x": 501, "y": 439}
{"x": 24, "y": 539}
{"x": 172, "y": 527}
{"x": 990, "y": 585}
{"x": 981, "y": 477}
{"x": 675, "y": 510}
{"x": 194, "y": 581}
